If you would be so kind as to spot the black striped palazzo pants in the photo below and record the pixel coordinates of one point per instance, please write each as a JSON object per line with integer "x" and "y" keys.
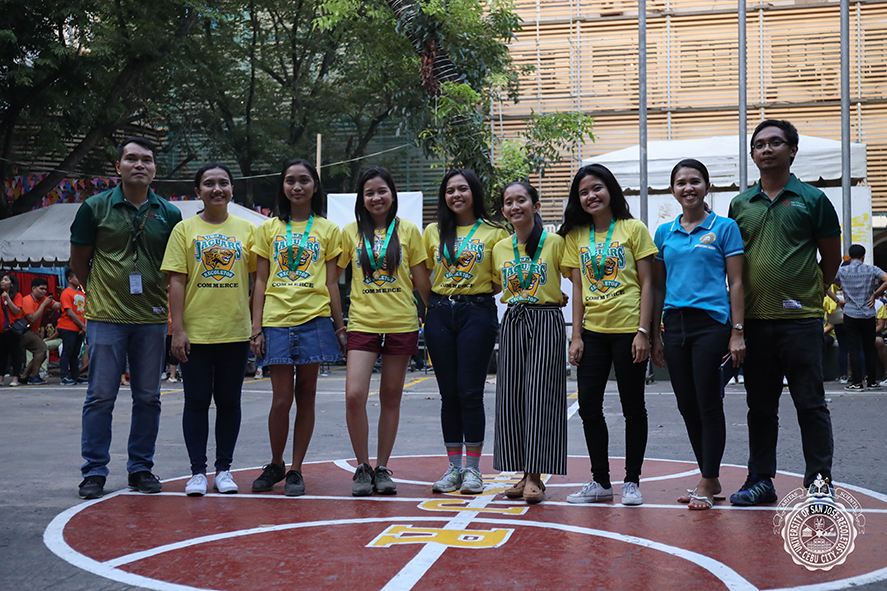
{"x": 531, "y": 392}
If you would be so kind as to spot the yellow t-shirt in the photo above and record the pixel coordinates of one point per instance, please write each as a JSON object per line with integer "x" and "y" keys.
{"x": 295, "y": 296}
{"x": 217, "y": 260}
{"x": 882, "y": 313}
{"x": 545, "y": 285}
{"x": 382, "y": 303}
{"x": 612, "y": 304}
{"x": 473, "y": 273}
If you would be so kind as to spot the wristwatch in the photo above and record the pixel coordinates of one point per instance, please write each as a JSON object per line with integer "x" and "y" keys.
{"x": 738, "y": 327}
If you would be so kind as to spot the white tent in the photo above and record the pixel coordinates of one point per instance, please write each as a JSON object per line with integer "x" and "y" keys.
{"x": 42, "y": 237}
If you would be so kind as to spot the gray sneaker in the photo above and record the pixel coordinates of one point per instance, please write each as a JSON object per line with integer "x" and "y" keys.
{"x": 592, "y": 492}
{"x": 382, "y": 483}
{"x": 472, "y": 483}
{"x": 449, "y": 482}
{"x": 295, "y": 484}
{"x": 363, "y": 481}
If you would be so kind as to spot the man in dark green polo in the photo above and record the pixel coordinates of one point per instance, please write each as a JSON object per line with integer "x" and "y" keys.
{"x": 784, "y": 222}
{"x": 117, "y": 243}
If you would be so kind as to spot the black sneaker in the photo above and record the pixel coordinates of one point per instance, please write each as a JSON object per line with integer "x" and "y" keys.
{"x": 82, "y": 380}
{"x": 382, "y": 482}
{"x": 363, "y": 481}
{"x": 754, "y": 492}
{"x": 271, "y": 475}
{"x": 295, "y": 484}
{"x": 144, "y": 482}
{"x": 68, "y": 382}
{"x": 36, "y": 381}
{"x": 92, "y": 487}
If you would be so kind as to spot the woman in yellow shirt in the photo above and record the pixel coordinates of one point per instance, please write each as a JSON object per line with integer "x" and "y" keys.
{"x": 531, "y": 382}
{"x": 295, "y": 305}
{"x": 384, "y": 251}
{"x": 461, "y": 323}
{"x": 610, "y": 257}
{"x": 209, "y": 264}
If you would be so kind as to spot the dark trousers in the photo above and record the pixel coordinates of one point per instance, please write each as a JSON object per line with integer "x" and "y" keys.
{"x": 843, "y": 350}
{"x": 601, "y": 351}
{"x": 460, "y": 337}
{"x": 10, "y": 353}
{"x": 213, "y": 373}
{"x": 793, "y": 349}
{"x": 861, "y": 342}
{"x": 695, "y": 345}
{"x": 69, "y": 361}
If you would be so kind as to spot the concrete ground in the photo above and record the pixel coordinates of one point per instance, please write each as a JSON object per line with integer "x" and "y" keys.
{"x": 40, "y": 451}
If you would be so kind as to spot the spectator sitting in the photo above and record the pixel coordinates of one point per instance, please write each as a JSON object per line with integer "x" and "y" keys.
{"x": 34, "y": 306}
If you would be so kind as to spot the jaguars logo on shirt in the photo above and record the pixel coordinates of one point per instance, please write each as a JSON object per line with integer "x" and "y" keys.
{"x": 472, "y": 254}
{"x": 615, "y": 260}
{"x": 217, "y": 253}
{"x": 378, "y": 277}
{"x": 310, "y": 254}
{"x": 512, "y": 281}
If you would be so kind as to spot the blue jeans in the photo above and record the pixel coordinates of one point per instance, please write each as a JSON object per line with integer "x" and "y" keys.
{"x": 695, "y": 344}
{"x": 460, "y": 336}
{"x": 790, "y": 348}
{"x": 213, "y": 372}
{"x": 110, "y": 345}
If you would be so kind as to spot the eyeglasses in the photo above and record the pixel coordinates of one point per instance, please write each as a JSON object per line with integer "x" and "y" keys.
{"x": 775, "y": 143}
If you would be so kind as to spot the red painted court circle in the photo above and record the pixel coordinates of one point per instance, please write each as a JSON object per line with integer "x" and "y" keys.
{"x": 418, "y": 540}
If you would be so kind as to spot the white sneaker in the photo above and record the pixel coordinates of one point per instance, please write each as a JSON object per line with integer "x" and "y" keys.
{"x": 741, "y": 379}
{"x": 451, "y": 481}
{"x": 592, "y": 492}
{"x": 732, "y": 381}
{"x": 196, "y": 487}
{"x": 172, "y": 380}
{"x": 224, "y": 483}
{"x": 631, "y": 494}
{"x": 472, "y": 482}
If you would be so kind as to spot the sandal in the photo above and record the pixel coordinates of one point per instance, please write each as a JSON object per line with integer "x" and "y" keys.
{"x": 688, "y": 497}
{"x": 517, "y": 491}
{"x": 703, "y": 503}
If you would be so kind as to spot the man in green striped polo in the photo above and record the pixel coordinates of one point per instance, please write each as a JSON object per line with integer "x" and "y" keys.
{"x": 117, "y": 243}
{"x": 784, "y": 222}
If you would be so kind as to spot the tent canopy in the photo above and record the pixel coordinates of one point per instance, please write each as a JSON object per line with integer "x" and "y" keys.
{"x": 817, "y": 159}
{"x": 42, "y": 237}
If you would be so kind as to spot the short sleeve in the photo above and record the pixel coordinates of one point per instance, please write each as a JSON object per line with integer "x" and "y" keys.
{"x": 253, "y": 260}
{"x": 430, "y": 242}
{"x": 334, "y": 242}
{"x": 347, "y": 247}
{"x": 560, "y": 249}
{"x": 571, "y": 250}
{"x": 641, "y": 242}
{"x": 83, "y": 228}
{"x": 829, "y": 305}
{"x": 67, "y": 301}
{"x": 882, "y": 312}
{"x": 261, "y": 245}
{"x": 174, "y": 259}
{"x": 658, "y": 241}
{"x": 415, "y": 247}
{"x": 733, "y": 245}
{"x": 824, "y": 218}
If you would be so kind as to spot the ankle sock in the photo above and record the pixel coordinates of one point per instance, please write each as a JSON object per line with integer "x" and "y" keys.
{"x": 472, "y": 460}
{"x": 455, "y": 458}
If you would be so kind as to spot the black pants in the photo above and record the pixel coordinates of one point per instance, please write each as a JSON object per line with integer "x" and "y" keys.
{"x": 601, "y": 351}
{"x": 861, "y": 342}
{"x": 69, "y": 362}
{"x": 694, "y": 346}
{"x": 11, "y": 354}
{"x": 790, "y": 348}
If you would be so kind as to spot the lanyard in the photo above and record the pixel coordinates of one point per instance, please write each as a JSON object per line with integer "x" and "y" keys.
{"x": 294, "y": 262}
{"x": 597, "y": 264}
{"x": 447, "y": 255}
{"x": 517, "y": 263}
{"x": 136, "y": 232}
{"x": 375, "y": 263}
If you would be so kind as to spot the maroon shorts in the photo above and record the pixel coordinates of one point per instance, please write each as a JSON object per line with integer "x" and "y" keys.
{"x": 399, "y": 343}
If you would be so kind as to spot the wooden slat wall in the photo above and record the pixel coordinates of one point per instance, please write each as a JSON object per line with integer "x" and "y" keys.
{"x": 585, "y": 52}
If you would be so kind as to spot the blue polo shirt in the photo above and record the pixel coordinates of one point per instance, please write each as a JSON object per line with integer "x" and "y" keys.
{"x": 696, "y": 264}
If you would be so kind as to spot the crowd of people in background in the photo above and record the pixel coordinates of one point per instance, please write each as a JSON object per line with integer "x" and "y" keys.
{"x": 706, "y": 292}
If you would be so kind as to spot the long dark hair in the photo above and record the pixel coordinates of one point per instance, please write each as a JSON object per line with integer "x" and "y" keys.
{"x": 698, "y": 167}
{"x": 575, "y": 216}
{"x": 318, "y": 200}
{"x": 13, "y": 289}
{"x": 198, "y": 178}
{"x": 446, "y": 219}
{"x": 533, "y": 241}
{"x": 366, "y": 226}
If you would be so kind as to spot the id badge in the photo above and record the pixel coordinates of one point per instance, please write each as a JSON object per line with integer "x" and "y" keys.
{"x": 135, "y": 283}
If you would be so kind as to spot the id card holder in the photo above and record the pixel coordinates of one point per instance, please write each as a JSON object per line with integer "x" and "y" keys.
{"x": 135, "y": 283}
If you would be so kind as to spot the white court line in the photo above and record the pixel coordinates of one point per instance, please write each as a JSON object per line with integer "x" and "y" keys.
{"x": 572, "y": 410}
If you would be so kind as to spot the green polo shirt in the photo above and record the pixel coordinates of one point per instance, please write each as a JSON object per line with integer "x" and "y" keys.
{"x": 107, "y": 222}
{"x": 781, "y": 276}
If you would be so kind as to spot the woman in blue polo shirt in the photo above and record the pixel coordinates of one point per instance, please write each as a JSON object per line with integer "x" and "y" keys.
{"x": 696, "y": 252}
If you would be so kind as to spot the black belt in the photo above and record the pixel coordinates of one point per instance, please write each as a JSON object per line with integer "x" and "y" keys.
{"x": 477, "y": 298}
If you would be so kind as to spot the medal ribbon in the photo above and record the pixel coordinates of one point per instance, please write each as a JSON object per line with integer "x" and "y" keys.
{"x": 597, "y": 264}
{"x": 448, "y": 256}
{"x": 376, "y": 264}
{"x": 520, "y": 274}
{"x": 302, "y": 243}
